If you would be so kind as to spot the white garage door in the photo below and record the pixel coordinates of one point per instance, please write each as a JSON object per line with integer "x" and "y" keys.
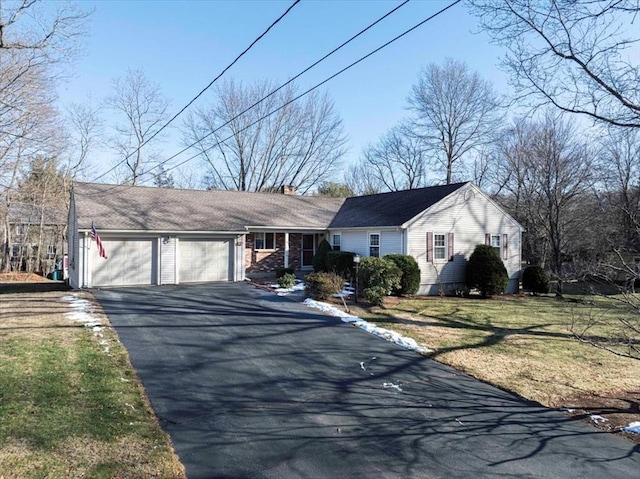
{"x": 204, "y": 260}
{"x": 130, "y": 262}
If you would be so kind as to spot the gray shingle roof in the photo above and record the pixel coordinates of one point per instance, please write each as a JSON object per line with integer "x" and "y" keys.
{"x": 121, "y": 207}
{"x": 389, "y": 209}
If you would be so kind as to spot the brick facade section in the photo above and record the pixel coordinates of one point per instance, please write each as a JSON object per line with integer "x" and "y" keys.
{"x": 266, "y": 261}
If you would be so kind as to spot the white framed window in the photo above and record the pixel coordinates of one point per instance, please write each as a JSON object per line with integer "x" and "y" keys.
{"x": 374, "y": 245}
{"x": 16, "y": 250}
{"x": 264, "y": 241}
{"x": 51, "y": 250}
{"x": 439, "y": 247}
{"x": 496, "y": 244}
{"x": 336, "y": 240}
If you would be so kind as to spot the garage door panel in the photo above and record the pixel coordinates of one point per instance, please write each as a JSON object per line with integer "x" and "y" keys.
{"x": 204, "y": 260}
{"x": 129, "y": 262}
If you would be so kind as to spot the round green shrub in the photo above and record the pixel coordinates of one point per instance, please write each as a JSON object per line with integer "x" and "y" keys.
{"x": 323, "y": 285}
{"x": 280, "y": 272}
{"x": 287, "y": 280}
{"x": 410, "y": 279}
{"x": 535, "y": 280}
{"x": 377, "y": 277}
{"x": 320, "y": 258}
{"x": 486, "y": 271}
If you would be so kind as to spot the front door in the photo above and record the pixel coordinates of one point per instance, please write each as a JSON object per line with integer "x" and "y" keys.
{"x": 308, "y": 249}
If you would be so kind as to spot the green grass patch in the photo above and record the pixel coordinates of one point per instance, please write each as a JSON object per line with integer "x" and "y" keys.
{"x": 70, "y": 402}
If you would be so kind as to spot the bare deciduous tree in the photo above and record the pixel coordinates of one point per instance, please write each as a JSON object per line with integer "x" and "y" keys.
{"x": 361, "y": 180}
{"x": 457, "y": 112}
{"x": 398, "y": 161}
{"x": 581, "y": 57}
{"x": 277, "y": 142}
{"x": 36, "y": 40}
{"x": 86, "y": 126}
{"x": 545, "y": 173}
{"x": 143, "y": 109}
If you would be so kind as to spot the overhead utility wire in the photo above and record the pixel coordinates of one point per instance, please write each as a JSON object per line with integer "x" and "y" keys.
{"x": 201, "y": 92}
{"x": 162, "y": 163}
{"x": 318, "y": 85}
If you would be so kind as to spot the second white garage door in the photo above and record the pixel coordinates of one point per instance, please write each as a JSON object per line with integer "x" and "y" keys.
{"x": 204, "y": 260}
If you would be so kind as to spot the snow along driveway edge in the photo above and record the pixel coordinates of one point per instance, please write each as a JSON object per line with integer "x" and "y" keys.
{"x": 407, "y": 343}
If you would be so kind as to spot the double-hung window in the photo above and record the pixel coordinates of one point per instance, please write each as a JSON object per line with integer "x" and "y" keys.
{"x": 374, "y": 245}
{"x": 439, "y": 247}
{"x": 496, "y": 245}
{"x": 336, "y": 240}
{"x": 264, "y": 241}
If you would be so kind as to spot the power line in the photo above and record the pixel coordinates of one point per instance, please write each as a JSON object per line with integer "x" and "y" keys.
{"x": 431, "y": 17}
{"x": 343, "y": 44}
{"x": 201, "y": 92}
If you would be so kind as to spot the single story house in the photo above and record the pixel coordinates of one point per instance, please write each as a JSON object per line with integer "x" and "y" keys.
{"x": 156, "y": 236}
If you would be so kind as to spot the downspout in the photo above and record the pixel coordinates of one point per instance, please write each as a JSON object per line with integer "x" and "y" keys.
{"x": 85, "y": 262}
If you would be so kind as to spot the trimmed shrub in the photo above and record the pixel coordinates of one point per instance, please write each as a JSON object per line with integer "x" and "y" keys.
{"x": 287, "y": 280}
{"x": 486, "y": 271}
{"x": 322, "y": 285}
{"x": 341, "y": 262}
{"x": 280, "y": 272}
{"x": 320, "y": 258}
{"x": 377, "y": 277}
{"x": 410, "y": 279}
{"x": 535, "y": 280}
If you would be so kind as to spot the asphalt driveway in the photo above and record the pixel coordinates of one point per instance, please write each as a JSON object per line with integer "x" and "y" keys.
{"x": 250, "y": 385}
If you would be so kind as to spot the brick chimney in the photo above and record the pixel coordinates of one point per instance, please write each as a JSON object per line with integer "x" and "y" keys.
{"x": 288, "y": 190}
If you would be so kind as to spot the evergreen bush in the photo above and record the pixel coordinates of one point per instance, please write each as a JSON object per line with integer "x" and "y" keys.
{"x": 341, "y": 262}
{"x": 323, "y": 285}
{"x": 320, "y": 258}
{"x": 377, "y": 277}
{"x": 486, "y": 271}
{"x": 535, "y": 280}
{"x": 287, "y": 280}
{"x": 410, "y": 279}
{"x": 280, "y": 272}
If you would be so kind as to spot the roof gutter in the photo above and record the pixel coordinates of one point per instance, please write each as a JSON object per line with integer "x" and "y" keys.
{"x": 161, "y": 232}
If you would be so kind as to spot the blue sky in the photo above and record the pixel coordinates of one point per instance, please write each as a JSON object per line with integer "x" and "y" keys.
{"x": 183, "y": 45}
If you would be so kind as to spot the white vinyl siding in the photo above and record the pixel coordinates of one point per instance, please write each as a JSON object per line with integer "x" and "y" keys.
{"x": 204, "y": 260}
{"x": 465, "y": 215}
{"x": 357, "y": 241}
{"x": 168, "y": 260}
{"x": 131, "y": 261}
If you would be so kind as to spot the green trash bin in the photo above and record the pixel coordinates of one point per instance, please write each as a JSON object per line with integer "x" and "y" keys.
{"x": 56, "y": 275}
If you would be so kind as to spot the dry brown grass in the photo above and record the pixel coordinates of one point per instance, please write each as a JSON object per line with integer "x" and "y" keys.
{"x": 71, "y": 405}
{"x": 525, "y": 345}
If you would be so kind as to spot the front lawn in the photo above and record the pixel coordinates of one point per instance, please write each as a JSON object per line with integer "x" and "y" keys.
{"x": 525, "y": 345}
{"x": 71, "y": 404}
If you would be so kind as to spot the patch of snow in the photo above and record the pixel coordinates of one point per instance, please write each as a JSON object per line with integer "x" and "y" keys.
{"x": 299, "y": 286}
{"x": 82, "y": 314}
{"x": 597, "y": 418}
{"x": 633, "y": 427}
{"x": 407, "y": 343}
{"x": 392, "y": 386}
{"x": 362, "y": 366}
{"x": 567, "y": 409}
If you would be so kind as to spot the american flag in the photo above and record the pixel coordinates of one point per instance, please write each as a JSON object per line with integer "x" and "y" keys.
{"x": 95, "y": 236}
